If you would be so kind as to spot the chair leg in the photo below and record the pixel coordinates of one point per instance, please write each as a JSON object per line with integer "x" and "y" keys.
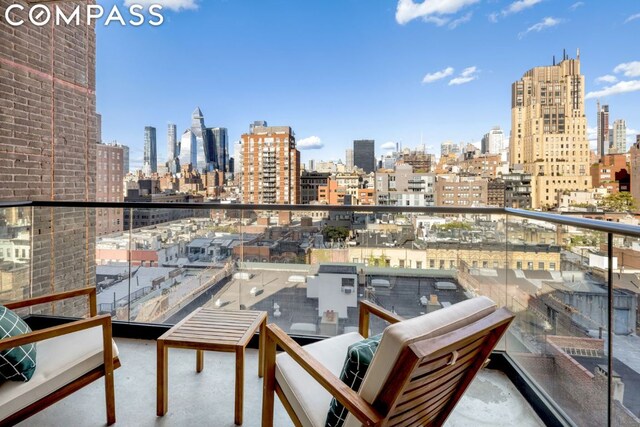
{"x": 110, "y": 395}
{"x": 268, "y": 381}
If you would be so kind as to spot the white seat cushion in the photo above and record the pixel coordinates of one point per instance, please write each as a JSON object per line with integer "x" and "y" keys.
{"x": 307, "y": 397}
{"x": 426, "y": 326}
{"x": 60, "y": 360}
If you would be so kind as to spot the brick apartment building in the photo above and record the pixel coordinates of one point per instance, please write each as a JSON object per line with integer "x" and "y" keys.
{"x": 271, "y": 165}
{"x": 310, "y": 182}
{"x": 465, "y": 193}
{"x": 611, "y": 172}
{"x": 109, "y": 181}
{"x": 48, "y": 145}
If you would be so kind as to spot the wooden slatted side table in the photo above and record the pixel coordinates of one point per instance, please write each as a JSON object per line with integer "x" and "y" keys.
{"x": 212, "y": 330}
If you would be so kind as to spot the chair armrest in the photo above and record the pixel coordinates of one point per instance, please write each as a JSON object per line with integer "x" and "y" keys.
{"x": 355, "y": 404}
{"x": 44, "y": 334}
{"x": 366, "y": 308}
{"x": 91, "y": 292}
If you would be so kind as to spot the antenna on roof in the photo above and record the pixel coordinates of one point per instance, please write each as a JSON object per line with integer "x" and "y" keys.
{"x": 564, "y": 54}
{"x": 554, "y": 60}
{"x": 578, "y": 53}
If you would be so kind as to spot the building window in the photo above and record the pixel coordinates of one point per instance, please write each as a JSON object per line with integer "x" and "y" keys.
{"x": 552, "y": 266}
{"x": 418, "y": 264}
{"x": 432, "y": 263}
{"x": 541, "y": 266}
{"x": 530, "y": 265}
{"x": 519, "y": 265}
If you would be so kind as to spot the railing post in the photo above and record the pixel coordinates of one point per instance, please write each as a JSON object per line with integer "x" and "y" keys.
{"x": 129, "y": 258}
{"x": 610, "y": 330}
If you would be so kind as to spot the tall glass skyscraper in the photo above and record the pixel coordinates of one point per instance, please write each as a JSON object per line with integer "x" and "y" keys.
{"x": 221, "y": 149}
{"x": 364, "y": 154}
{"x": 204, "y": 146}
{"x": 150, "y": 149}
{"x": 188, "y": 149}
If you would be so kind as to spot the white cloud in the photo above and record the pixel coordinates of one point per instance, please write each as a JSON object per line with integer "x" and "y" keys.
{"x": 632, "y": 18}
{"x": 520, "y": 5}
{"x": 629, "y": 69}
{"x": 388, "y": 145}
{"x": 469, "y": 74}
{"x": 438, "y": 75}
{"x": 439, "y": 21}
{"x": 310, "y": 143}
{"x": 408, "y": 10}
{"x": 547, "y": 22}
{"x": 175, "y": 5}
{"x": 515, "y": 7}
{"x": 607, "y": 79}
{"x": 576, "y": 5}
{"x": 621, "y": 87}
{"x": 463, "y": 19}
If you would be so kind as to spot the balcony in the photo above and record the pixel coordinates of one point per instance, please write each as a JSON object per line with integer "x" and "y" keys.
{"x": 576, "y": 318}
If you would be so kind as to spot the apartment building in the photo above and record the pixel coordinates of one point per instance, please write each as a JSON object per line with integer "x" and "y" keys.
{"x": 404, "y": 187}
{"x": 549, "y": 130}
{"x": 271, "y": 166}
{"x": 310, "y": 182}
{"x": 109, "y": 182}
{"x": 464, "y": 192}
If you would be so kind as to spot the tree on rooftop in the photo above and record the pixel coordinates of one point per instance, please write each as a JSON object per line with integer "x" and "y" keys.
{"x": 619, "y": 202}
{"x": 335, "y": 233}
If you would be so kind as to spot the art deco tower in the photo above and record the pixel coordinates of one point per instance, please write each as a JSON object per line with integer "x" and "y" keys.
{"x": 549, "y": 130}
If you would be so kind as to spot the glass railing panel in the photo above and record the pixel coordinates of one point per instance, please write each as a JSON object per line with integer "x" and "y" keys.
{"x": 557, "y": 288}
{"x": 48, "y": 250}
{"x": 113, "y": 266}
{"x": 16, "y": 253}
{"x": 625, "y": 387}
{"x": 165, "y": 264}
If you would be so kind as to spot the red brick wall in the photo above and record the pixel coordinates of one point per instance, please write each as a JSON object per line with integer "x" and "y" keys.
{"x": 47, "y": 145}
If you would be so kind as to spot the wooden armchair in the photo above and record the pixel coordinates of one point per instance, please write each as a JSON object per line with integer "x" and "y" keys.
{"x": 419, "y": 372}
{"x": 69, "y": 357}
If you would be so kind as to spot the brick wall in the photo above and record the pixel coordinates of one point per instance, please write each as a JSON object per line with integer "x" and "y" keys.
{"x": 47, "y": 145}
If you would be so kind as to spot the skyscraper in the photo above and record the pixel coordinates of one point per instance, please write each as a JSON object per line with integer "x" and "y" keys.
{"x": 603, "y": 130}
{"x": 271, "y": 166}
{"x": 125, "y": 159}
{"x": 549, "y": 130}
{"x": 237, "y": 158}
{"x": 150, "y": 149}
{"x": 493, "y": 142}
{"x": 172, "y": 148}
{"x": 349, "y": 159}
{"x": 205, "y": 155}
{"x": 619, "y": 140}
{"x": 220, "y": 149}
{"x": 188, "y": 149}
{"x": 364, "y": 154}
{"x": 98, "y": 128}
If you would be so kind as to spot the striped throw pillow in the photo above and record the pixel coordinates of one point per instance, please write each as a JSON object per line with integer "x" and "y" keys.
{"x": 359, "y": 357}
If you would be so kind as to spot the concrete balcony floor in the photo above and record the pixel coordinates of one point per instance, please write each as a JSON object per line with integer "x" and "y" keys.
{"x": 207, "y": 398}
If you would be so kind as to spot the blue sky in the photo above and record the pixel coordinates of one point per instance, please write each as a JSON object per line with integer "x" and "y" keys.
{"x": 339, "y": 70}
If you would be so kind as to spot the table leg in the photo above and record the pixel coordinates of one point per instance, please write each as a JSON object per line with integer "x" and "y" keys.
{"x": 261, "y": 347}
{"x": 239, "y": 384}
{"x": 162, "y": 379}
{"x": 199, "y": 360}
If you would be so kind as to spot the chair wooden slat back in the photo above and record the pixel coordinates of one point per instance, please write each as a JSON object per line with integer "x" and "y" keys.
{"x": 432, "y": 374}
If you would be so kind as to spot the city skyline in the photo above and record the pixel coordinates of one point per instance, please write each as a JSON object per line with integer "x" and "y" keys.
{"x": 361, "y": 73}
